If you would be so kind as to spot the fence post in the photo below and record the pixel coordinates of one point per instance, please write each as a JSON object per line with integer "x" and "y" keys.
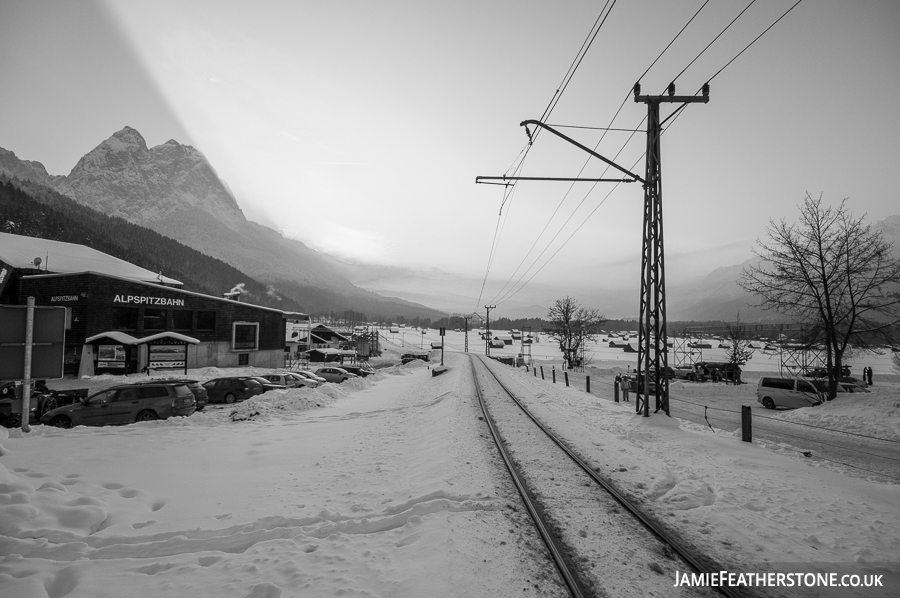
{"x": 554, "y": 375}
{"x": 746, "y": 424}
{"x": 587, "y": 381}
{"x": 542, "y": 373}
{"x": 616, "y": 391}
{"x": 566, "y": 375}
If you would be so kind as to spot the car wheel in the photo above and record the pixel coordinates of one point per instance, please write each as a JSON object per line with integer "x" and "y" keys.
{"x": 61, "y": 421}
{"x": 768, "y": 403}
{"x": 690, "y": 377}
{"x": 147, "y": 416}
{"x": 198, "y": 409}
{"x": 229, "y": 398}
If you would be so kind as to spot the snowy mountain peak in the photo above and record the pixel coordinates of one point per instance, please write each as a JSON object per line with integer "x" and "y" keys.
{"x": 123, "y": 177}
{"x": 127, "y": 137}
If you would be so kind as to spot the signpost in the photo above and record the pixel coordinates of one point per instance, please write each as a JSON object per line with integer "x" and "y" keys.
{"x": 443, "y": 330}
{"x": 32, "y": 344}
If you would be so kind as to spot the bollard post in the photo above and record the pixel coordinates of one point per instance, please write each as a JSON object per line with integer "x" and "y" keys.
{"x": 566, "y": 376}
{"x": 616, "y": 392}
{"x": 587, "y": 382}
{"x": 534, "y": 369}
{"x": 554, "y": 375}
{"x": 542, "y": 373}
{"x": 746, "y": 424}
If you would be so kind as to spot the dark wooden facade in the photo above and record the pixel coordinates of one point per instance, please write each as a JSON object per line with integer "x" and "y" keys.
{"x": 98, "y": 303}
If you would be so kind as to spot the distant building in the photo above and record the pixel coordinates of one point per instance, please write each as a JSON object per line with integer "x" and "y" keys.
{"x": 323, "y": 337}
{"x": 121, "y": 318}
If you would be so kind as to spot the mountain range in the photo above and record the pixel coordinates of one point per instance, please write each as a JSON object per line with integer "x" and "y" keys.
{"x": 172, "y": 189}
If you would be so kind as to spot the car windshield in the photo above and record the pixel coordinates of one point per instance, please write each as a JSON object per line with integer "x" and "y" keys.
{"x": 101, "y": 397}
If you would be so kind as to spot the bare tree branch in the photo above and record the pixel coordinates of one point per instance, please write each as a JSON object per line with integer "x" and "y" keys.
{"x": 572, "y": 326}
{"x": 832, "y": 272}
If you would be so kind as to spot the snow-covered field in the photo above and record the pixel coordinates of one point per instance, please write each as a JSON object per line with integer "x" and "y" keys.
{"x": 388, "y": 487}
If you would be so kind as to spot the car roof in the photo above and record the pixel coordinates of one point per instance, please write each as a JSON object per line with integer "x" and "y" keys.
{"x": 136, "y": 385}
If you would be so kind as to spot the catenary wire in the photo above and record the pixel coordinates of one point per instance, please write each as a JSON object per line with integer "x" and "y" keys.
{"x": 674, "y": 117}
{"x": 721, "y": 33}
{"x": 755, "y": 40}
{"x": 595, "y": 29}
{"x": 569, "y": 190}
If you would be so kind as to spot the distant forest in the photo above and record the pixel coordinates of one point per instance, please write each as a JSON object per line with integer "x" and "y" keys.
{"x": 34, "y": 210}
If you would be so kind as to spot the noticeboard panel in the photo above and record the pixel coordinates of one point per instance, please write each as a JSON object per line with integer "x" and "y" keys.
{"x": 49, "y": 338}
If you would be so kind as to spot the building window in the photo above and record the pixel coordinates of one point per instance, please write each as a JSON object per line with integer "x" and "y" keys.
{"x": 154, "y": 319}
{"x": 243, "y": 359}
{"x": 206, "y": 321}
{"x": 124, "y": 318}
{"x": 245, "y": 336}
{"x": 182, "y": 319}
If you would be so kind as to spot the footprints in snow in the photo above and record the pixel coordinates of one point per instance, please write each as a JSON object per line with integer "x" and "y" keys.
{"x": 122, "y": 490}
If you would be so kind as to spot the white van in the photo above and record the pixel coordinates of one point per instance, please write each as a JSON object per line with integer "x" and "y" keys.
{"x": 787, "y": 392}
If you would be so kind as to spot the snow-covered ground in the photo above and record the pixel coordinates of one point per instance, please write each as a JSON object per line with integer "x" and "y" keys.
{"x": 388, "y": 486}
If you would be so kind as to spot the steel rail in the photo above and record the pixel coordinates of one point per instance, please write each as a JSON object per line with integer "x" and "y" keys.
{"x": 657, "y": 530}
{"x": 555, "y": 552}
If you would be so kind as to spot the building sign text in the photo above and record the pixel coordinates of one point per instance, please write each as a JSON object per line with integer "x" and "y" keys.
{"x": 143, "y": 300}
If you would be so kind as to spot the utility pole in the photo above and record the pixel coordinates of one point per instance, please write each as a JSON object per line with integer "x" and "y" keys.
{"x": 652, "y": 336}
{"x": 487, "y": 340}
{"x": 467, "y": 318}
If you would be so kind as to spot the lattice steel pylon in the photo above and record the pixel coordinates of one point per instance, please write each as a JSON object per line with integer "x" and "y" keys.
{"x": 652, "y": 337}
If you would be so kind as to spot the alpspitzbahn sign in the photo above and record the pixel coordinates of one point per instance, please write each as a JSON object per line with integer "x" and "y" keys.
{"x": 145, "y": 300}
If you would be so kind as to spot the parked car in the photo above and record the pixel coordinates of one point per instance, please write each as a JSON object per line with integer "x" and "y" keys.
{"x": 201, "y": 396}
{"x": 821, "y": 372}
{"x": 333, "y": 374}
{"x": 268, "y": 385}
{"x": 291, "y": 380}
{"x": 311, "y": 376}
{"x": 787, "y": 392}
{"x": 232, "y": 388}
{"x": 363, "y": 369}
{"x": 125, "y": 404}
{"x": 685, "y": 372}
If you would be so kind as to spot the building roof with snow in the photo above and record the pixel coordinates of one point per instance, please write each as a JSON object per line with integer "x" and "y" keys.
{"x": 69, "y": 258}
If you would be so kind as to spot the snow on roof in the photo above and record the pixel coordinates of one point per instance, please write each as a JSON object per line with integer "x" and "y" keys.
{"x": 330, "y": 351}
{"x": 127, "y": 339}
{"x": 67, "y": 258}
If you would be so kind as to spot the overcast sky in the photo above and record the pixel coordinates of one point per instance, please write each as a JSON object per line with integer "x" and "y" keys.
{"x": 359, "y": 127}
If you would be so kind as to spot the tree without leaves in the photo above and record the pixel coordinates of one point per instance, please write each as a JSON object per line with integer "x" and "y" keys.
{"x": 738, "y": 351}
{"x": 831, "y": 272}
{"x": 572, "y": 326}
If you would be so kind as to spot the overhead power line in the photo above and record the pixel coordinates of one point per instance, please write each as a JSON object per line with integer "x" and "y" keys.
{"x": 587, "y": 161}
{"x": 523, "y": 154}
{"x": 755, "y": 40}
{"x": 501, "y": 297}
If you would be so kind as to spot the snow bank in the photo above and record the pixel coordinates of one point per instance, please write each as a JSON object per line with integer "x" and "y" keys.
{"x": 875, "y": 413}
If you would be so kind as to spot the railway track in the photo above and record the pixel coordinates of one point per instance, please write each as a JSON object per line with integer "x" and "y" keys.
{"x": 601, "y": 543}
